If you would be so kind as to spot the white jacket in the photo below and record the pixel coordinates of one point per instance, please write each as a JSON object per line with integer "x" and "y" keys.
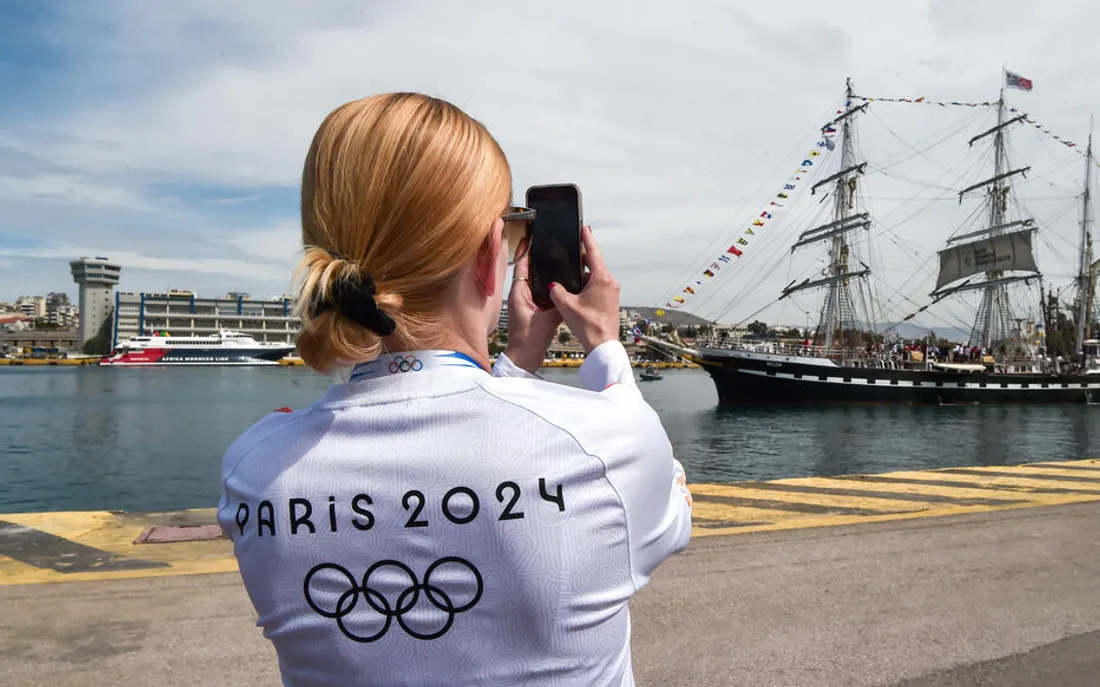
{"x": 428, "y": 523}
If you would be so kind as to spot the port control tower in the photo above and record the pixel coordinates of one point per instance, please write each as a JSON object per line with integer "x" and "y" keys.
{"x": 97, "y": 278}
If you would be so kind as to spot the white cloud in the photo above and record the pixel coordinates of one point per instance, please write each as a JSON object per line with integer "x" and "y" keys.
{"x": 233, "y": 200}
{"x": 677, "y": 121}
{"x": 278, "y": 244}
{"x": 131, "y": 260}
{"x": 72, "y": 189}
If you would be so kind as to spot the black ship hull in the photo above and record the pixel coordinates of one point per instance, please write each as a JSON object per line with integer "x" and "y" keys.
{"x": 751, "y": 378}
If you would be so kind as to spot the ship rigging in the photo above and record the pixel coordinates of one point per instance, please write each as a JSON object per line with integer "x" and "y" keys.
{"x": 854, "y": 354}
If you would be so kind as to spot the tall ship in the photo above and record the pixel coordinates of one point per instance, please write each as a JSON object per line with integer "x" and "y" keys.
{"x": 221, "y": 348}
{"x": 1017, "y": 352}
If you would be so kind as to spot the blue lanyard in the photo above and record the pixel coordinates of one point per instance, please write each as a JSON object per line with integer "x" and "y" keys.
{"x": 410, "y": 363}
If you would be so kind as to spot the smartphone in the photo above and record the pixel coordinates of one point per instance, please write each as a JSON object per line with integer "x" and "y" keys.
{"x": 555, "y": 240}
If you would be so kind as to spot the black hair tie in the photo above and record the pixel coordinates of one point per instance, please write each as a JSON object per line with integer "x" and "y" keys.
{"x": 354, "y": 299}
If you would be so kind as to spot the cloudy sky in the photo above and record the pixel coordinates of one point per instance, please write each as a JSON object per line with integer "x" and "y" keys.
{"x": 170, "y": 136}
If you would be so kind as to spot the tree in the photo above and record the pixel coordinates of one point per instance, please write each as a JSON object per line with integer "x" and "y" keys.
{"x": 100, "y": 344}
{"x": 1061, "y": 336}
{"x": 758, "y": 328}
{"x": 563, "y": 337}
{"x": 45, "y": 325}
{"x": 689, "y": 332}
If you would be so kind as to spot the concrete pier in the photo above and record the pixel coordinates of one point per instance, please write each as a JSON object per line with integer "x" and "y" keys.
{"x": 919, "y": 579}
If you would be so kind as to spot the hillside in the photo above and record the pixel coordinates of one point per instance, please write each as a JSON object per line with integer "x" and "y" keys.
{"x": 910, "y": 330}
{"x": 907, "y": 330}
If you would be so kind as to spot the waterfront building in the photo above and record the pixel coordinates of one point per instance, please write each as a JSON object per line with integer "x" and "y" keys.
{"x": 28, "y": 340}
{"x": 183, "y": 313}
{"x": 15, "y": 323}
{"x": 97, "y": 278}
{"x": 33, "y": 307}
{"x": 60, "y": 312}
{"x": 64, "y": 316}
{"x": 728, "y": 332}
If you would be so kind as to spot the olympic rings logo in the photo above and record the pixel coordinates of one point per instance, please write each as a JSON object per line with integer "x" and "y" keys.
{"x": 397, "y": 594}
{"x": 409, "y": 362}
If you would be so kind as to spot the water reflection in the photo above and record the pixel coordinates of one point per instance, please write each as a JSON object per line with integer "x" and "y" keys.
{"x": 1082, "y": 434}
{"x": 95, "y": 413}
{"x": 770, "y": 443}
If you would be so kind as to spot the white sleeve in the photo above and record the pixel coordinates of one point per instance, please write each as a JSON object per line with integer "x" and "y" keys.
{"x": 607, "y": 365}
{"x": 650, "y": 484}
{"x": 504, "y": 367}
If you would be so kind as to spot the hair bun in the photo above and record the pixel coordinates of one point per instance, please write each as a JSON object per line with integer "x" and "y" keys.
{"x": 352, "y": 295}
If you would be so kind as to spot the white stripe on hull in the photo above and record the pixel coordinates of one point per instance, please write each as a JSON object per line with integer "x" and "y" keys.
{"x": 883, "y": 382}
{"x": 770, "y": 357}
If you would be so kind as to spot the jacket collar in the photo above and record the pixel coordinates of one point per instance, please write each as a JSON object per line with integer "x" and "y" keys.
{"x": 414, "y": 363}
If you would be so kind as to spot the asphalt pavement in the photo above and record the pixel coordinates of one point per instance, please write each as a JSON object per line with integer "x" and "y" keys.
{"x": 1005, "y": 599}
{"x": 1009, "y": 598}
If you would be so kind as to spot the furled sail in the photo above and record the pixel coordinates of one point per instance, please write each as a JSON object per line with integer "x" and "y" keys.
{"x": 1006, "y": 252}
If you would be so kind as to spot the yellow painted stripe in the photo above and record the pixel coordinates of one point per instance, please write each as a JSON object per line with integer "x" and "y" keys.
{"x": 720, "y": 509}
{"x": 1022, "y": 487}
{"x": 115, "y": 533}
{"x": 834, "y": 520}
{"x": 1091, "y": 464}
{"x": 1084, "y": 468}
{"x": 914, "y": 489}
{"x": 794, "y": 497}
{"x": 1018, "y": 483}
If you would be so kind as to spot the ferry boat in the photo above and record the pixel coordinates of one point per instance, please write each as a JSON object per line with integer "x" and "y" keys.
{"x": 850, "y": 359}
{"x": 222, "y": 348}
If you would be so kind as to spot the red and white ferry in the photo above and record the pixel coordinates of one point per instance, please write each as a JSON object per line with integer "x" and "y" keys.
{"x": 222, "y": 348}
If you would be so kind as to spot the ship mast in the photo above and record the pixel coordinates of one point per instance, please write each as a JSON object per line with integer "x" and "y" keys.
{"x": 1085, "y": 269}
{"x": 839, "y": 310}
{"x": 838, "y": 249}
{"x": 996, "y": 250}
{"x": 994, "y": 307}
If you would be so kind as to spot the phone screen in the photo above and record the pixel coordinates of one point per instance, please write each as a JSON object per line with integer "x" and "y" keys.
{"x": 555, "y": 240}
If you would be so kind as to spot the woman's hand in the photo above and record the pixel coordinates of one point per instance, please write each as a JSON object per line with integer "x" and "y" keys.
{"x": 530, "y": 330}
{"x": 592, "y": 314}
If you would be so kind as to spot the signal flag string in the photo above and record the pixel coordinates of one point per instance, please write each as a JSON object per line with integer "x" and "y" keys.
{"x": 777, "y": 202}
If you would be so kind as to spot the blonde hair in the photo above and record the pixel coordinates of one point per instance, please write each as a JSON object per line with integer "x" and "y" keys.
{"x": 401, "y": 189}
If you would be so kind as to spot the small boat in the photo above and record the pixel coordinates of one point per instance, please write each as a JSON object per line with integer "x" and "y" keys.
{"x": 650, "y": 374}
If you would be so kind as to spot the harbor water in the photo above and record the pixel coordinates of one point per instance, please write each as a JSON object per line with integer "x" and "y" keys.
{"x": 152, "y": 439}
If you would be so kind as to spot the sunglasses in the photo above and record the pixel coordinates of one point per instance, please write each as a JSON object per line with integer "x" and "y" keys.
{"x": 517, "y": 232}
